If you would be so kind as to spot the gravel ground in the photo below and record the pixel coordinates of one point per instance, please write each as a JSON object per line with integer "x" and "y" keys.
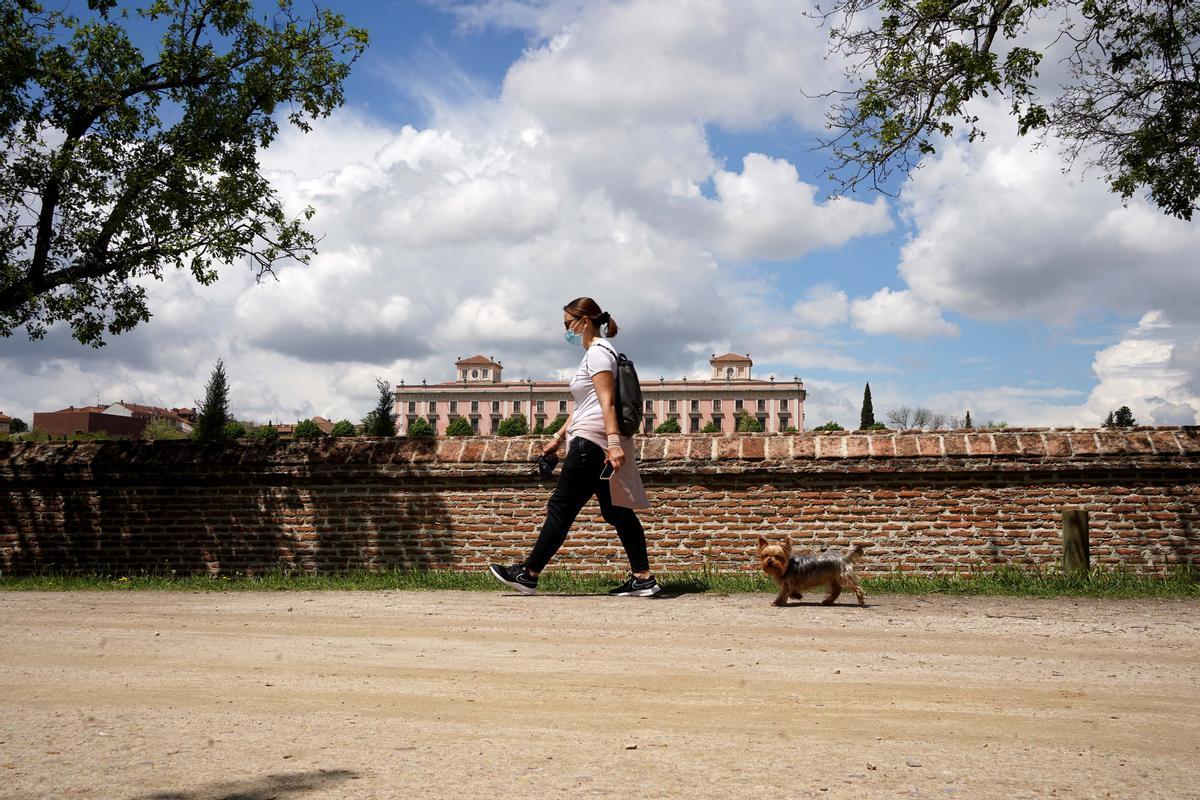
{"x": 250, "y": 696}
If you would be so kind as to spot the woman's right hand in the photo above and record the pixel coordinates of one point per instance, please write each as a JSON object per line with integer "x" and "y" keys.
{"x": 551, "y": 448}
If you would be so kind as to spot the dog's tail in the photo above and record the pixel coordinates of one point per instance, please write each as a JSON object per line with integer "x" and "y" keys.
{"x": 855, "y": 554}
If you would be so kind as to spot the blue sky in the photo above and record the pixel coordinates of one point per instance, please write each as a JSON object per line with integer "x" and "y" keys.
{"x": 490, "y": 154}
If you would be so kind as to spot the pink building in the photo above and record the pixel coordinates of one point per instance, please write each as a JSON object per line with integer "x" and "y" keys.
{"x": 484, "y": 398}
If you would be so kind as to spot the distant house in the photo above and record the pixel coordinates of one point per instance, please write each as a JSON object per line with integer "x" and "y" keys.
{"x": 172, "y": 416}
{"x": 87, "y": 419}
{"x": 5, "y": 423}
{"x": 324, "y": 424}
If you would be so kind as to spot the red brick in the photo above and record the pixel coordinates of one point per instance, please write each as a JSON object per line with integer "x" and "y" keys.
{"x": 857, "y": 447}
{"x": 677, "y": 448}
{"x": 753, "y": 448}
{"x": 803, "y": 446}
{"x": 830, "y": 446}
{"x": 1083, "y": 443}
{"x": 449, "y": 450}
{"x": 906, "y": 445}
{"x": 929, "y": 445}
{"x": 727, "y": 448}
{"x": 654, "y": 448}
{"x": 1006, "y": 444}
{"x": 955, "y": 444}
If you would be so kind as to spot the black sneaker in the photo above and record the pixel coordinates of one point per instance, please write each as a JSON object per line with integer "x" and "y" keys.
{"x": 515, "y": 576}
{"x": 637, "y": 587}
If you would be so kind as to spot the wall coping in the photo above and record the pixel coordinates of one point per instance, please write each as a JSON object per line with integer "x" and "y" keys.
{"x": 840, "y": 451}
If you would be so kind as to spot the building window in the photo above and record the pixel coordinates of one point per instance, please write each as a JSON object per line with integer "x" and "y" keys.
{"x": 412, "y": 406}
{"x": 737, "y": 405}
{"x": 495, "y": 406}
{"x": 696, "y": 406}
{"x": 562, "y": 406}
{"x": 433, "y": 406}
{"x": 475, "y": 407}
{"x": 762, "y": 421}
{"x": 541, "y": 406}
{"x": 741, "y": 371}
{"x": 453, "y": 407}
{"x": 647, "y": 426}
{"x": 729, "y": 372}
{"x": 695, "y": 426}
{"x": 649, "y": 406}
{"x": 783, "y": 406}
{"x": 432, "y": 423}
{"x": 474, "y": 373}
{"x": 672, "y": 406}
{"x": 716, "y": 405}
{"x": 762, "y": 405}
{"x": 485, "y": 373}
{"x": 516, "y": 406}
{"x": 475, "y": 425}
{"x": 464, "y": 374}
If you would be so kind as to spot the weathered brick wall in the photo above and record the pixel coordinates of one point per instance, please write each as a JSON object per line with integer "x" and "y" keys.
{"x": 925, "y": 502}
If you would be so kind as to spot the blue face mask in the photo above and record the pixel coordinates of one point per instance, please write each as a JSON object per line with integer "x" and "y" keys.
{"x": 573, "y": 338}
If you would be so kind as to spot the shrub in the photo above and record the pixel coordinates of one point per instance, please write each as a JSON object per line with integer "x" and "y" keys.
{"x": 709, "y": 427}
{"x": 748, "y": 424}
{"x": 829, "y": 426}
{"x": 234, "y": 430}
{"x": 263, "y": 433}
{"x": 420, "y": 428}
{"x": 161, "y": 429}
{"x": 458, "y": 427}
{"x": 342, "y": 427}
{"x": 553, "y": 427}
{"x": 669, "y": 425}
{"x": 790, "y": 429}
{"x": 878, "y": 426}
{"x": 17, "y": 425}
{"x": 515, "y": 425}
{"x": 307, "y": 429}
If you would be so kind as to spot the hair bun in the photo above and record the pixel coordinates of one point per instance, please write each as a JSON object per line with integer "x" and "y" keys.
{"x": 603, "y": 318}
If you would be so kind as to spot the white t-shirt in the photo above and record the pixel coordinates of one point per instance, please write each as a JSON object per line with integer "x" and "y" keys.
{"x": 587, "y": 420}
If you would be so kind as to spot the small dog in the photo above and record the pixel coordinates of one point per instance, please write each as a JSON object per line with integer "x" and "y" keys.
{"x": 794, "y": 573}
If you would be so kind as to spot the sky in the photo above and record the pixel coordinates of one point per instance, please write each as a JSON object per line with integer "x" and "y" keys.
{"x": 495, "y": 159}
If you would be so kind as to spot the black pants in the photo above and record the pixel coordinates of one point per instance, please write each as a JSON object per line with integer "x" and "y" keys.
{"x": 578, "y": 480}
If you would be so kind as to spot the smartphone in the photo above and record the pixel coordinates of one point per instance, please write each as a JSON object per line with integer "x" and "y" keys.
{"x": 607, "y": 472}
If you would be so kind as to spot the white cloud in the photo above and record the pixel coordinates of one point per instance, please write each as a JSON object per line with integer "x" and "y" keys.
{"x": 823, "y": 305}
{"x": 902, "y": 313}
{"x": 1001, "y": 232}
{"x": 767, "y": 212}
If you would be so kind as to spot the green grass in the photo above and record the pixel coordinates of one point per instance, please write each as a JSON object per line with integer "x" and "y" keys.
{"x": 1181, "y": 583}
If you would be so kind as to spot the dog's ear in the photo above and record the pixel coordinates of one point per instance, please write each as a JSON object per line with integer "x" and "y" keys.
{"x": 787, "y": 545}
{"x": 762, "y": 542}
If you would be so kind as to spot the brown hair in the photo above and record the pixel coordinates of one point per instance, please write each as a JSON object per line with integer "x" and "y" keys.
{"x": 588, "y": 308}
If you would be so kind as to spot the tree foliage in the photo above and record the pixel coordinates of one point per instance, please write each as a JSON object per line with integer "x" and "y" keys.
{"x": 829, "y": 426}
{"x": 307, "y": 429}
{"x": 343, "y": 427}
{"x": 420, "y": 428}
{"x": 555, "y": 424}
{"x": 381, "y": 420}
{"x": 263, "y": 433}
{"x": 459, "y": 426}
{"x": 1130, "y": 106}
{"x": 866, "y": 419}
{"x": 17, "y": 425}
{"x": 710, "y": 427}
{"x": 748, "y": 424}
{"x": 1121, "y": 418}
{"x": 214, "y": 411}
{"x": 118, "y": 164}
{"x": 234, "y": 429}
{"x": 669, "y": 425}
{"x": 161, "y": 429}
{"x": 515, "y": 425}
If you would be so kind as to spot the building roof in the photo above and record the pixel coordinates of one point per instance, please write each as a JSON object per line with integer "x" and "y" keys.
{"x": 69, "y": 409}
{"x": 481, "y": 360}
{"x": 153, "y": 411}
{"x": 729, "y": 357}
{"x": 508, "y": 386}
{"x": 5, "y": 418}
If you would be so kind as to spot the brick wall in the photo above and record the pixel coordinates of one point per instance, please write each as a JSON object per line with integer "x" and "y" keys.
{"x": 925, "y": 502}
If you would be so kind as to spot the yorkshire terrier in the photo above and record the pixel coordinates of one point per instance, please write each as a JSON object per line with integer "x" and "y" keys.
{"x": 794, "y": 574}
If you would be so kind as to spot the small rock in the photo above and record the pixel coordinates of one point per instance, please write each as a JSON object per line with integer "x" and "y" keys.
{"x": 870, "y": 765}
{"x": 631, "y": 747}
{"x": 912, "y": 762}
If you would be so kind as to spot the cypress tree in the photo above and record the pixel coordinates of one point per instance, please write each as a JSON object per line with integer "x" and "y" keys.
{"x": 214, "y": 411}
{"x": 967, "y": 421}
{"x": 381, "y": 421}
{"x": 867, "y": 418}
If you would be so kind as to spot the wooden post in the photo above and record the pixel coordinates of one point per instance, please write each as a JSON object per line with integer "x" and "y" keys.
{"x": 1076, "y": 555}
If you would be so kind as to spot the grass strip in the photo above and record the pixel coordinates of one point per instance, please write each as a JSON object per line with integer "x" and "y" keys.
{"x": 1006, "y": 581}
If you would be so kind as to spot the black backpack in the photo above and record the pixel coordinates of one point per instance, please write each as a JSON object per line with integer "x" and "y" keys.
{"x": 629, "y": 394}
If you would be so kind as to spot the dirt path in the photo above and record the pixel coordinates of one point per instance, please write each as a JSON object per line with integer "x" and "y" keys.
{"x": 186, "y": 696}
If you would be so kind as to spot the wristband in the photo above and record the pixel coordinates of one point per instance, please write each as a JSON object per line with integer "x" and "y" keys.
{"x": 614, "y": 440}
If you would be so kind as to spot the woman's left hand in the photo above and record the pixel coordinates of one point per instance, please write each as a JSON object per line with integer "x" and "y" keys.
{"x": 616, "y": 457}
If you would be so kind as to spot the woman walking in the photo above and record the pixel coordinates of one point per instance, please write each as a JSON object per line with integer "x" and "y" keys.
{"x": 593, "y": 440}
